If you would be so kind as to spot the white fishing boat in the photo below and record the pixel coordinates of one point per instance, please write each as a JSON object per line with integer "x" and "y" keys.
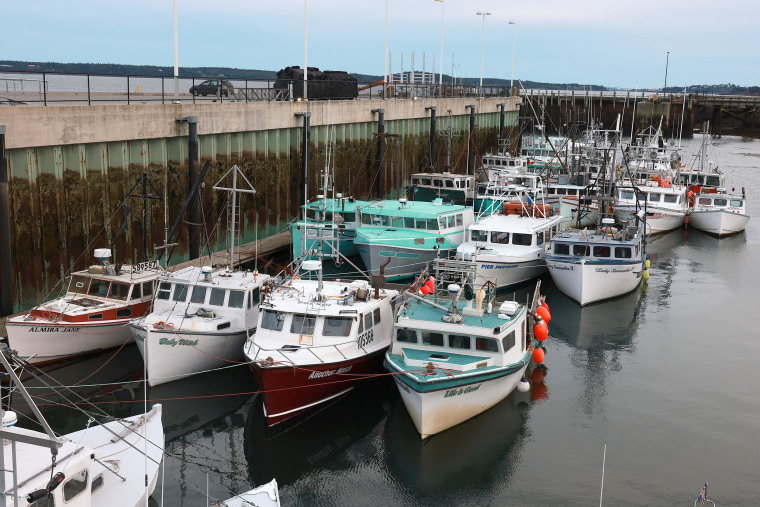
{"x": 719, "y": 213}
{"x": 266, "y": 495}
{"x": 665, "y": 203}
{"x": 452, "y": 360}
{"x": 92, "y": 315}
{"x": 201, "y": 316}
{"x": 115, "y": 463}
{"x": 593, "y": 265}
{"x": 317, "y": 339}
{"x": 509, "y": 248}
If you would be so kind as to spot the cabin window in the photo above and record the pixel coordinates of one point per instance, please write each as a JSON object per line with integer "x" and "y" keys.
{"x": 572, "y": 191}
{"x": 237, "y": 299}
{"x": 147, "y": 289}
{"x": 303, "y": 324}
{"x": 452, "y": 220}
{"x": 442, "y": 222}
{"x": 409, "y": 222}
{"x": 312, "y": 214}
{"x": 561, "y": 249}
{"x": 180, "y": 292}
{"x": 387, "y": 221}
{"x": 459, "y": 221}
{"x": 437, "y": 183}
{"x": 124, "y": 312}
{"x": 706, "y": 201}
{"x": 164, "y": 290}
{"x": 429, "y": 338}
{"x": 700, "y": 180}
{"x": 366, "y": 219}
{"x": 398, "y": 221}
{"x": 272, "y": 320}
{"x": 97, "y": 483}
{"x": 737, "y": 203}
{"x": 476, "y": 235}
{"x": 720, "y": 202}
{"x": 198, "y": 295}
{"x": 508, "y": 341}
{"x": 522, "y": 239}
{"x": 75, "y": 486}
{"x": 349, "y": 216}
{"x": 540, "y": 238}
{"x": 459, "y": 341}
{"x": 97, "y": 316}
{"x": 79, "y": 284}
{"x": 501, "y": 238}
{"x": 601, "y": 251}
{"x": 432, "y": 224}
{"x": 217, "y": 297}
{"x": 580, "y": 250}
{"x": 623, "y": 252}
{"x": 426, "y": 181}
{"x": 626, "y": 194}
{"x": 449, "y": 184}
{"x": 486, "y": 344}
{"x": 713, "y": 181}
{"x": 671, "y": 198}
{"x": 420, "y": 223}
{"x": 119, "y": 291}
{"x": 561, "y": 191}
{"x": 654, "y": 197}
{"x": 254, "y": 298}
{"x": 377, "y": 316}
{"x": 415, "y": 181}
{"x": 98, "y": 287}
{"x": 136, "y": 292}
{"x": 337, "y": 326}
{"x": 406, "y": 335}
{"x": 368, "y": 321}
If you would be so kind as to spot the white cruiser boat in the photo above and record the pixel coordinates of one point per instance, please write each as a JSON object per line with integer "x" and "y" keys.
{"x": 509, "y": 248}
{"x": 114, "y": 464}
{"x": 719, "y": 213}
{"x": 666, "y": 204}
{"x": 316, "y": 340}
{"x": 201, "y": 316}
{"x": 593, "y": 265}
{"x": 92, "y": 315}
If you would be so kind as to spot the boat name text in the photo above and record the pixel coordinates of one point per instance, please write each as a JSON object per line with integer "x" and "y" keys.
{"x": 329, "y": 373}
{"x": 457, "y": 392}
{"x": 174, "y": 342}
{"x": 53, "y": 329}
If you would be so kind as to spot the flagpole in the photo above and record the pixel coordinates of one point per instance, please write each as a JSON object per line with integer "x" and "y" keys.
{"x": 604, "y": 458}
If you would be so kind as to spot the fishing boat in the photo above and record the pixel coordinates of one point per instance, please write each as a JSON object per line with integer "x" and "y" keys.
{"x": 202, "y": 315}
{"x": 508, "y": 187}
{"x": 317, "y": 339}
{"x": 91, "y": 316}
{"x": 719, "y": 213}
{"x": 449, "y": 187}
{"x": 453, "y": 359}
{"x": 666, "y": 203}
{"x": 593, "y": 265}
{"x": 410, "y": 234}
{"x": 115, "y": 463}
{"x": 508, "y": 248}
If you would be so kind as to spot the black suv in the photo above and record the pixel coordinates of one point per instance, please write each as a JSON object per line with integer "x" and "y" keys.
{"x": 213, "y": 87}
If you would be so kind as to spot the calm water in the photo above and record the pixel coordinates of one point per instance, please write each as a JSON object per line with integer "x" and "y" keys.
{"x": 665, "y": 376}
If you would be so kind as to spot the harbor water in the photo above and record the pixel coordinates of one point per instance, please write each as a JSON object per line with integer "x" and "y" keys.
{"x": 665, "y": 377}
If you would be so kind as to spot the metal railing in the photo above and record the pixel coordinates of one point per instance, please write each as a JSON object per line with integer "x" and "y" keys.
{"x": 57, "y": 88}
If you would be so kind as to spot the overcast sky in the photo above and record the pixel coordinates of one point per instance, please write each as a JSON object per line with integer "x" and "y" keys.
{"x": 607, "y": 42}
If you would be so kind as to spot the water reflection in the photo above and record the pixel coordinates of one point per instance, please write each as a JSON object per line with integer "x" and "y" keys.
{"x": 464, "y": 464}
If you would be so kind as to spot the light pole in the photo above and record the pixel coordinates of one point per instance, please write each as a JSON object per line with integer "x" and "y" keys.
{"x": 440, "y": 79}
{"x": 667, "y": 59}
{"x": 176, "y": 57}
{"x": 305, "y": 47}
{"x": 385, "y": 76}
{"x": 514, "y": 39}
{"x": 482, "y": 46}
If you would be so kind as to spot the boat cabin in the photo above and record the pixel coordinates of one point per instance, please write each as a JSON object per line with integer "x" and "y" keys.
{"x": 732, "y": 203}
{"x": 652, "y": 195}
{"x": 580, "y": 248}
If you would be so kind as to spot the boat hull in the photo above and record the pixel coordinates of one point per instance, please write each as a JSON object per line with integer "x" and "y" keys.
{"x": 288, "y": 391}
{"x": 434, "y": 411}
{"x": 658, "y": 221}
{"x": 405, "y": 262}
{"x": 171, "y": 354}
{"x": 592, "y": 282}
{"x": 508, "y": 273}
{"x": 47, "y": 342}
{"x": 718, "y": 222}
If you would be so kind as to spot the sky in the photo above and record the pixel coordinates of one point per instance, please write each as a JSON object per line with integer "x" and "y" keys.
{"x": 604, "y": 42}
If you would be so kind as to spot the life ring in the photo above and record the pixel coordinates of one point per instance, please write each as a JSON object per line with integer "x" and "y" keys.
{"x": 163, "y": 325}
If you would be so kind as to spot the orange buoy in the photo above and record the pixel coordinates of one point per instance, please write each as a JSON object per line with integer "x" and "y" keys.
{"x": 425, "y": 289}
{"x": 540, "y": 329}
{"x": 430, "y": 283}
{"x": 544, "y": 314}
{"x": 538, "y": 355}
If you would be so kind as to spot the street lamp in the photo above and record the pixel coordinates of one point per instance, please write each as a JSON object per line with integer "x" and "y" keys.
{"x": 440, "y": 79}
{"x": 385, "y": 76}
{"x": 305, "y": 47}
{"x": 667, "y": 59}
{"x": 176, "y": 57}
{"x": 514, "y": 39}
{"x": 482, "y": 45}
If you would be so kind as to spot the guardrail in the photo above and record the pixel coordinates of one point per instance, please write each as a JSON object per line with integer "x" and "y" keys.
{"x": 79, "y": 89}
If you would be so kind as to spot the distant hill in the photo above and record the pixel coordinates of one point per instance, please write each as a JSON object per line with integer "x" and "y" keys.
{"x": 233, "y": 73}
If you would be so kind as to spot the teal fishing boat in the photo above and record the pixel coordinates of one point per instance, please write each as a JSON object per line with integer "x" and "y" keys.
{"x": 329, "y": 229}
{"x": 409, "y": 234}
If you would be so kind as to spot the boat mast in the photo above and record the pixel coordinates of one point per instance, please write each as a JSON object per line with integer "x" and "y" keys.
{"x": 235, "y": 170}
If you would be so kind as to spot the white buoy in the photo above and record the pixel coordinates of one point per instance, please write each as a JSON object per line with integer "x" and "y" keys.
{"x": 523, "y": 386}
{"x": 9, "y": 418}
